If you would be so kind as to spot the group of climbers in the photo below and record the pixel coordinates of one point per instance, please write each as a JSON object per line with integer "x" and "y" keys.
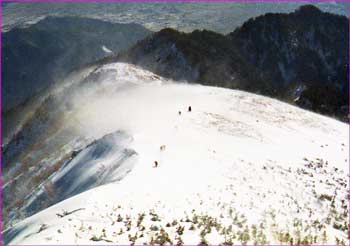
{"x": 162, "y": 147}
{"x": 189, "y": 110}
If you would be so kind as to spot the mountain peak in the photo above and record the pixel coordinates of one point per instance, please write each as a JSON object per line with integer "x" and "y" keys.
{"x": 308, "y": 9}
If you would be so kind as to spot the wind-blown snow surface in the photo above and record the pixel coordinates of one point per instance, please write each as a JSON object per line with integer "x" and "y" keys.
{"x": 238, "y": 168}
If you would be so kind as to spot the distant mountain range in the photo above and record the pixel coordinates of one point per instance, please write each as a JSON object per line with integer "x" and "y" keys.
{"x": 41, "y": 54}
{"x": 183, "y": 16}
{"x": 301, "y": 57}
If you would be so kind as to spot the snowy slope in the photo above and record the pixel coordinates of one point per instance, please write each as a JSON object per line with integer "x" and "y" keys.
{"x": 239, "y": 168}
{"x": 103, "y": 161}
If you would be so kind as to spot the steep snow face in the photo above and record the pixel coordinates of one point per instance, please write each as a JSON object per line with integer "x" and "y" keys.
{"x": 103, "y": 161}
{"x": 238, "y": 168}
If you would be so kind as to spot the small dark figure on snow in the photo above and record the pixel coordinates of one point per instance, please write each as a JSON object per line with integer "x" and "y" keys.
{"x": 189, "y": 109}
{"x": 155, "y": 164}
{"x": 179, "y": 112}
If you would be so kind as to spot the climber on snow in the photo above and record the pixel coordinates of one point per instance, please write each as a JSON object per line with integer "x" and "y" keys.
{"x": 155, "y": 164}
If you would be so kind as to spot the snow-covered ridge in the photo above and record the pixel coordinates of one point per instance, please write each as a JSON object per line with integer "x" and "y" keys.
{"x": 104, "y": 161}
{"x": 238, "y": 168}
